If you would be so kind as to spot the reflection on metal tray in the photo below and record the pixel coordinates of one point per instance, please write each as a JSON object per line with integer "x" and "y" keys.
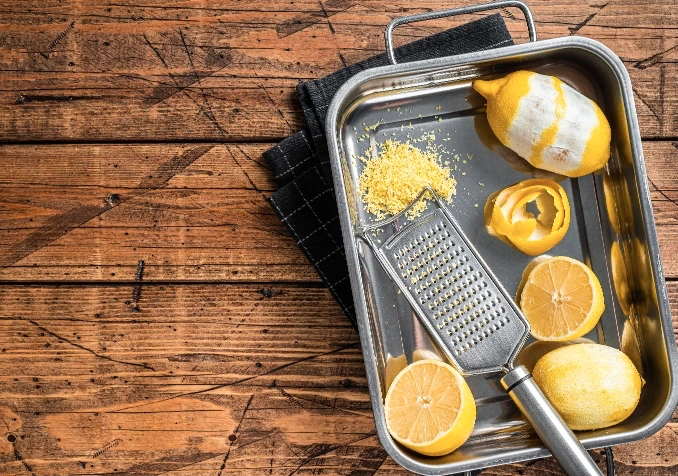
{"x": 612, "y": 229}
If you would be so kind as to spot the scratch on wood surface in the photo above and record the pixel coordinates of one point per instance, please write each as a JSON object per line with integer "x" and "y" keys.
{"x": 62, "y": 224}
{"x": 20, "y": 458}
{"x": 368, "y": 461}
{"x": 75, "y": 344}
{"x": 654, "y": 59}
{"x": 303, "y": 21}
{"x": 580, "y": 25}
{"x": 329, "y": 23}
{"x": 661, "y": 192}
{"x": 318, "y": 450}
{"x": 270, "y": 99}
{"x": 234, "y": 436}
{"x": 642, "y": 99}
{"x": 247, "y": 176}
{"x": 245, "y": 379}
{"x": 177, "y": 461}
{"x": 182, "y": 81}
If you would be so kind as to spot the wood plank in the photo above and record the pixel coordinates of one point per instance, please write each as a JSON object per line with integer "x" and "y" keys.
{"x": 227, "y": 72}
{"x": 91, "y": 212}
{"x": 200, "y": 379}
{"x": 190, "y": 212}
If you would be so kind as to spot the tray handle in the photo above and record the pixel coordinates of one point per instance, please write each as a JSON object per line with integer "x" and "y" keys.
{"x": 388, "y": 34}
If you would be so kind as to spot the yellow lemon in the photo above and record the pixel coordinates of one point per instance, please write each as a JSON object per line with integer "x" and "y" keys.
{"x": 507, "y": 217}
{"x": 530, "y": 354}
{"x": 591, "y": 385}
{"x": 430, "y": 408}
{"x": 547, "y": 122}
{"x": 562, "y": 299}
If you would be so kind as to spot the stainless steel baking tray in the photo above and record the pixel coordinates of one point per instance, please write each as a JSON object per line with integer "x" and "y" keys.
{"x": 612, "y": 229}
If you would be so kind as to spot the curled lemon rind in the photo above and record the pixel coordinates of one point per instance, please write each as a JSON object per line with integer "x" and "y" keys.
{"x": 507, "y": 217}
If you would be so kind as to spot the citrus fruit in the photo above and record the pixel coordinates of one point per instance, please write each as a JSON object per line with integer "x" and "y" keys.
{"x": 507, "y": 217}
{"x": 548, "y": 123}
{"x": 591, "y": 385}
{"x": 531, "y": 353}
{"x": 430, "y": 408}
{"x": 562, "y": 299}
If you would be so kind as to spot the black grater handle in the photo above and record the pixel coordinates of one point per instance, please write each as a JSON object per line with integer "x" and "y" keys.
{"x": 548, "y": 424}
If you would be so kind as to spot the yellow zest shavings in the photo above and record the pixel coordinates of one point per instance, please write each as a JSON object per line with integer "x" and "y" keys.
{"x": 390, "y": 182}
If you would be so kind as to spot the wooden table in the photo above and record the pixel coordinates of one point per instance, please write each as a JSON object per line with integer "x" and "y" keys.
{"x": 155, "y": 316}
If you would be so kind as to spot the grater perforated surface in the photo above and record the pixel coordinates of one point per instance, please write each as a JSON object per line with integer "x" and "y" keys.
{"x": 453, "y": 292}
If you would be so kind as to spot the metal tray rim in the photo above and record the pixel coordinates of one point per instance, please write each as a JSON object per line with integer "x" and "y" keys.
{"x": 356, "y": 280}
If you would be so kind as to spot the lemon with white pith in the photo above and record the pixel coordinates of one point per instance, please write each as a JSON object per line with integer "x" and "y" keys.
{"x": 546, "y": 122}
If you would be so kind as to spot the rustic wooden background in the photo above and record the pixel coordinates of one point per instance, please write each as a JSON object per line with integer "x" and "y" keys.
{"x": 133, "y": 132}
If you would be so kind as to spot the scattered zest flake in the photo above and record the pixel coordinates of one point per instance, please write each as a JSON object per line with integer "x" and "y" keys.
{"x": 401, "y": 171}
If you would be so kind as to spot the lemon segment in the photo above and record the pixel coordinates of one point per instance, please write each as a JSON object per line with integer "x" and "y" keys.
{"x": 429, "y": 408}
{"x": 592, "y": 386}
{"x": 547, "y": 122}
{"x": 506, "y": 215}
{"x": 562, "y": 299}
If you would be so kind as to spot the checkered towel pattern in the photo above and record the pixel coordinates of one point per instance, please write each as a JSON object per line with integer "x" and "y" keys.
{"x": 306, "y": 202}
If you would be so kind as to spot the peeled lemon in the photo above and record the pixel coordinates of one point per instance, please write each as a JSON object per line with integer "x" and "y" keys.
{"x": 429, "y": 408}
{"x": 546, "y": 122}
{"x": 562, "y": 299}
{"x": 591, "y": 385}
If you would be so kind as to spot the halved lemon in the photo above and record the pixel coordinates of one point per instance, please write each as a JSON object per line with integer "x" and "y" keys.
{"x": 430, "y": 408}
{"x": 562, "y": 299}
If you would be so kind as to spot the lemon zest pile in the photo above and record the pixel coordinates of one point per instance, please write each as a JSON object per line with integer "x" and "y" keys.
{"x": 393, "y": 180}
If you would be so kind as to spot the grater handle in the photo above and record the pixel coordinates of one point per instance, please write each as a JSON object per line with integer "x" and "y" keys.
{"x": 548, "y": 424}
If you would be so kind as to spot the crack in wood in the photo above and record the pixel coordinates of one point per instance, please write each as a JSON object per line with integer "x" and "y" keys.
{"x": 662, "y": 193}
{"x": 323, "y": 449}
{"x": 654, "y": 59}
{"x": 64, "y": 223}
{"x": 235, "y": 433}
{"x": 175, "y": 462}
{"x": 182, "y": 81}
{"x": 244, "y": 379}
{"x": 642, "y": 99}
{"x": 20, "y": 459}
{"x": 329, "y": 23}
{"x": 582, "y": 24}
{"x": 75, "y": 344}
{"x": 303, "y": 21}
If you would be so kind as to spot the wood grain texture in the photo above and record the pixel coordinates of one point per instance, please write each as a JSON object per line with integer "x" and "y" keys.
{"x": 133, "y": 131}
{"x": 200, "y": 379}
{"x": 91, "y": 212}
{"x": 190, "y": 212}
{"x": 227, "y": 71}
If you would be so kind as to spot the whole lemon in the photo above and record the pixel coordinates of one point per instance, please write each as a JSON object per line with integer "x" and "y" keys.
{"x": 546, "y": 122}
{"x": 591, "y": 385}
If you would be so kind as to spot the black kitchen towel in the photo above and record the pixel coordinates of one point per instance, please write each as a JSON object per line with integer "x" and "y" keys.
{"x": 306, "y": 202}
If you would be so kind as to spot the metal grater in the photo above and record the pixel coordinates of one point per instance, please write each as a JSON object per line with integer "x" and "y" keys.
{"x": 469, "y": 314}
{"x": 457, "y": 297}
